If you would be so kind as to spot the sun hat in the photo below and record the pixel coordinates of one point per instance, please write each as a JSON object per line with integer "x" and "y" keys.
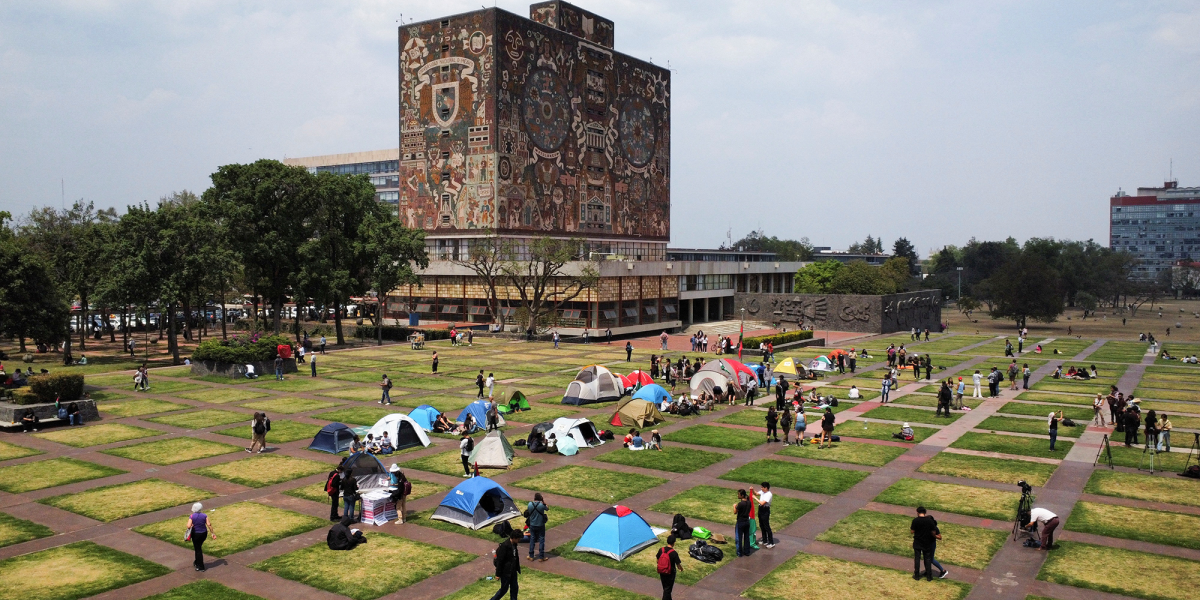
{"x": 395, "y": 468}
{"x": 906, "y": 424}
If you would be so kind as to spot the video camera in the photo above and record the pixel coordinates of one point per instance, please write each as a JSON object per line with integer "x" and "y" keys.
{"x": 1025, "y": 487}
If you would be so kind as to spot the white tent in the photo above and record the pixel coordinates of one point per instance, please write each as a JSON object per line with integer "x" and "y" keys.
{"x": 710, "y": 381}
{"x": 402, "y": 430}
{"x": 581, "y": 430}
{"x": 593, "y": 384}
{"x": 492, "y": 452}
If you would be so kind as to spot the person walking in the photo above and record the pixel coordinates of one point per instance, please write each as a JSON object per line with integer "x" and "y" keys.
{"x": 741, "y": 528}
{"x": 841, "y": 362}
{"x": 199, "y": 528}
{"x": 785, "y": 423}
{"x": 479, "y": 384}
{"x": 556, "y": 339}
{"x": 1008, "y": 349}
{"x": 886, "y": 388}
{"x": 490, "y": 384}
{"x": 925, "y": 532}
{"x": 333, "y": 489}
{"x": 385, "y": 385}
{"x": 764, "y": 514}
{"x": 536, "y": 514}
{"x": 976, "y": 378}
{"x": 772, "y": 422}
{"x": 1052, "y": 423}
{"x": 508, "y": 565}
{"x": 465, "y": 446}
{"x": 628, "y": 351}
{"x": 608, "y": 335}
{"x": 1025, "y": 373}
{"x": 668, "y": 565}
{"x": 259, "y": 427}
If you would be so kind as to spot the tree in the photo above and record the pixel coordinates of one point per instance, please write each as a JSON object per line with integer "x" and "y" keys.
{"x": 547, "y": 274}
{"x": 867, "y": 246}
{"x": 486, "y": 257}
{"x": 1027, "y": 287}
{"x": 857, "y": 277}
{"x": 817, "y": 278}
{"x": 896, "y": 274}
{"x": 784, "y": 249}
{"x": 967, "y": 305}
{"x": 394, "y": 251}
{"x": 904, "y": 249}
{"x": 31, "y": 305}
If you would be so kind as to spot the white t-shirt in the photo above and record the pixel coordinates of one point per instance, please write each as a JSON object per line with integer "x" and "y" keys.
{"x": 1041, "y": 515}
{"x": 853, "y": 393}
{"x": 764, "y": 498}
{"x": 975, "y": 378}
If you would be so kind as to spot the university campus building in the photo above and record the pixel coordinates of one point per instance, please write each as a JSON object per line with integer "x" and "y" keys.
{"x": 537, "y": 127}
{"x": 1158, "y": 225}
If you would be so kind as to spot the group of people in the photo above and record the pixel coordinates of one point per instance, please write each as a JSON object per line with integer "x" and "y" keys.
{"x": 17, "y": 379}
{"x": 1079, "y": 374}
{"x": 458, "y": 338}
{"x": 633, "y": 440}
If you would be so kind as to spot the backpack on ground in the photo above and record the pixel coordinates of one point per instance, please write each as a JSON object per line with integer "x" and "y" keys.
{"x": 701, "y": 533}
{"x": 606, "y": 435}
{"x": 519, "y": 443}
{"x": 680, "y": 528}
{"x": 1067, "y": 423}
{"x": 664, "y": 561}
{"x": 705, "y": 553}
{"x": 1192, "y": 471}
{"x": 502, "y": 529}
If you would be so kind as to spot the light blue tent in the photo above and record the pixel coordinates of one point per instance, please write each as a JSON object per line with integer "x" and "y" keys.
{"x": 477, "y": 409}
{"x": 567, "y": 446}
{"x": 654, "y": 394}
{"x": 616, "y": 533}
{"x": 425, "y": 416}
{"x": 475, "y": 504}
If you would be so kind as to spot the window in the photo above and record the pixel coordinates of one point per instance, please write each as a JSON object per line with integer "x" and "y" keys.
{"x": 572, "y": 314}
{"x": 424, "y": 308}
{"x": 650, "y": 310}
{"x": 449, "y": 310}
{"x": 669, "y": 309}
{"x": 478, "y": 310}
{"x": 507, "y": 311}
{"x": 631, "y": 312}
{"x": 609, "y": 314}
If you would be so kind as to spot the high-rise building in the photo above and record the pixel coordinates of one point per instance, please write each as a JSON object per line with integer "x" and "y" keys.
{"x": 1158, "y": 225}
{"x": 381, "y": 166}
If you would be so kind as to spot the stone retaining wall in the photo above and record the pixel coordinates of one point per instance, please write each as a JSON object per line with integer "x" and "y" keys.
{"x": 12, "y": 413}
{"x": 235, "y": 371}
{"x": 845, "y": 312}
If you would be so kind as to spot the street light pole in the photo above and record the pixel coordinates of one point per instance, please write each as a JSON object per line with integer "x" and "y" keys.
{"x": 960, "y": 269}
{"x": 741, "y": 332}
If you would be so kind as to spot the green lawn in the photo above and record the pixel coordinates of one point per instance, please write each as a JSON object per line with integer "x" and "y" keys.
{"x": 263, "y": 470}
{"x": 450, "y": 463}
{"x": 359, "y": 415}
{"x": 988, "y": 469}
{"x": 366, "y": 377}
{"x": 16, "y": 531}
{"x": 172, "y": 450}
{"x": 880, "y": 431}
{"x": 858, "y": 453}
{"x": 1119, "y": 352}
{"x": 1166, "y": 394}
{"x": 138, "y": 407}
{"x": 795, "y": 476}
{"x": 1060, "y": 398}
{"x": 1068, "y": 347}
{"x": 1071, "y": 387}
{"x": 1133, "y": 457}
{"x": 318, "y": 566}
{"x": 716, "y": 504}
{"x": 644, "y": 563}
{"x": 961, "y": 545}
{"x": 1010, "y": 444}
{"x": 451, "y": 405}
{"x": 673, "y": 459}
{"x": 719, "y": 437}
{"x": 590, "y": 483}
{"x": 751, "y": 417}
{"x": 931, "y": 401}
{"x": 557, "y": 515}
{"x": 73, "y": 571}
{"x": 239, "y": 526}
{"x": 113, "y": 502}
{"x": 201, "y": 419}
{"x": 1079, "y": 415}
{"x": 10, "y": 451}
{"x": 222, "y": 395}
{"x": 914, "y": 415}
{"x": 961, "y": 499}
{"x": 203, "y": 590}
{"x": 289, "y": 405}
{"x": 1174, "y": 490}
{"x": 1154, "y": 526}
{"x": 547, "y": 586}
{"x": 52, "y": 472}
{"x": 293, "y": 383}
{"x": 1020, "y": 425}
{"x": 806, "y": 576}
{"x": 359, "y": 393}
{"x": 96, "y": 435}
{"x": 169, "y": 386}
{"x": 945, "y": 344}
{"x": 282, "y": 431}
{"x": 1091, "y": 567}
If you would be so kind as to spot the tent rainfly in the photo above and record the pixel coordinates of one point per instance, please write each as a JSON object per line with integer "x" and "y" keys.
{"x": 475, "y": 504}
{"x": 593, "y": 384}
{"x": 636, "y": 411}
{"x": 653, "y": 393}
{"x": 402, "y": 430}
{"x": 516, "y": 403}
{"x": 616, "y": 533}
{"x": 492, "y": 452}
{"x": 478, "y": 409}
{"x": 425, "y": 416}
{"x": 368, "y": 471}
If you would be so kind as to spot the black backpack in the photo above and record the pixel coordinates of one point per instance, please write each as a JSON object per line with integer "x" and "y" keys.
{"x": 680, "y": 528}
{"x": 705, "y": 553}
{"x": 1192, "y": 471}
{"x": 260, "y": 428}
{"x": 470, "y": 444}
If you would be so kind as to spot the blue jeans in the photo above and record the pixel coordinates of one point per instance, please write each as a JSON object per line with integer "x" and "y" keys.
{"x": 1053, "y": 437}
{"x": 537, "y": 535}
{"x": 387, "y": 398}
{"x": 75, "y": 419}
{"x": 742, "y": 538}
{"x": 279, "y": 374}
{"x": 1164, "y": 440}
{"x": 349, "y": 504}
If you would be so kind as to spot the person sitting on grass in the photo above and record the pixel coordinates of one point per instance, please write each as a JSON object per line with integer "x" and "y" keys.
{"x": 357, "y": 445}
{"x": 637, "y": 443}
{"x": 385, "y": 444}
{"x": 853, "y": 394}
{"x": 1058, "y": 374}
{"x": 628, "y": 438}
{"x": 906, "y": 433}
{"x": 655, "y": 440}
{"x": 536, "y": 442}
{"x": 372, "y": 444}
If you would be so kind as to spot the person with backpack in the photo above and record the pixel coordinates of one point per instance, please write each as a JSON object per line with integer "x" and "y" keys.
{"x": 1012, "y": 375}
{"x": 508, "y": 564}
{"x": 668, "y": 565}
{"x": 535, "y": 517}
{"x": 741, "y": 528}
{"x": 493, "y": 417}
{"x": 465, "y": 446}
{"x": 628, "y": 349}
{"x": 479, "y": 384}
{"x": 772, "y": 421}
{"x": 785, "y": 423}
{"x": 385, "y": 384}
{"x": 402, "y": 491}
{"x": 333, "y": 489}
{"x": 258, "y": 430}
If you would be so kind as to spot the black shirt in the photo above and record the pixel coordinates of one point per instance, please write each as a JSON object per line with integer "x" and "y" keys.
{"x": 1054, "y": 424}
{"x": 675, "y": 562}
{"x": 827, "y": 420}
{"x": 924, "y": 529}
{"x": 743, "y": 510}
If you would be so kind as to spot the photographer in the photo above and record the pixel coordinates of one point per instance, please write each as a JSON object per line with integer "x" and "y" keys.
{"x": 1049, "y": 523}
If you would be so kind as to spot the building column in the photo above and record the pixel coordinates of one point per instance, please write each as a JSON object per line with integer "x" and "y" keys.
{"x": 721, "y": 308}
{"x": 705, "y": 305}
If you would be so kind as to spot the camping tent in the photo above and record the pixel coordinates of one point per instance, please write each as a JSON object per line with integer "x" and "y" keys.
{"x": 654, "y": 394}
{"x": 713, "y": 382}
{"x": 368, "y": 471}
{"x": 582, "y": 430}
{"x": 516, "y": 402}
{"x": 788, "y": 366}
{"x": 425, "y": 416}
{"x": 477, "y": 409}
{"x": 636, "y": 411}
{"x": 475, "y": 504}
{"x": 333, "y": 438}
{"x": 731, "y": 369}
{"x": 820, "y": 364}
{"x": 593, "y": 384}
{"x": 492, "y": 452}
{"x": 402, "y": 430}
{"x": 567, "y": 446}
{"x": 616, "y": 533}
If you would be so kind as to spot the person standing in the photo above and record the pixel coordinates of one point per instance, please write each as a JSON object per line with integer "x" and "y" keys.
{"x": 772, "y": 421}
{"x": 924, "y": 530}
{"x": 801, "y": 425}
{"x": 628, "y": 351}
{"x": 827, "y": 422}
{"x": 1008, "y": 349}
{"x": 1020, "y": 344}
{"x": 435, "y": 362}
{"x": 886, "y": 388}
{"x": 976, "y": 378}
{"x": 841, "y": 362}
{"x": 1012, "y": 374}
{"x": 402, "y": 491}
{"x": 1049, "y": 523}
{"x": 663, "y": 340}
{"x": 853, "y": 360}
{"x": 1097, "y": 410}
{"x": 741, "y": 528}
{"x": 465, "y": 446}
{"x": 928, "y": 366}
{"x": 258, "y": 430}
{"x": 785, "y": 423}
{"x": 943, "y": 400}
{"x": 508, "y": 564}
{"x": 1025, "y": 373}
{"x": 958, "y": 393}
{"x": 556, "y": 339}
{"x": 312, "y": 363}
{"x": 323, "y": 344}
{"x": 479, "y": 384}
{"x": 764, "y": 514}
{"x": 278, "y": 368}
{"x": 1052, "y": 423}
{"x": 608, "y": 335}
{"x": 490, "y": 384}
{"x": 585, "y": 335}
{"x": 201, "y": 529}
{"x": 333, "y": 489}
{"x": 349, "y": 494}
{"x": 385, "y": 385}
{"x": 537, "y": 519}
{"x": 666, "y": 573}
{"x": 1164, "y": 435}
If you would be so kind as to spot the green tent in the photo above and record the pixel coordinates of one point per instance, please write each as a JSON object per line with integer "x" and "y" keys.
{"x": 516, "y": 402}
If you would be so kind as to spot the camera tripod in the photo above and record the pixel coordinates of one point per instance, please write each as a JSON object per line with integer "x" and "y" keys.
{"x": 1150, "y": 450}
{"x": 1193, "y": 451}
{"x": 1024, "y": 508}
{"x": 1106, "y": 452}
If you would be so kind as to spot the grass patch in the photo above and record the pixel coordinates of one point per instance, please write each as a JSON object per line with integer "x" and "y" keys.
{"x": 282, "y": 431}
{"x": 644, "y": 563}
{"x": 915, "y": 415}
{"x": 557, "y": 514}
{"x": 289, "y": 406}
{"x": 358, "y": 415}
{"x": 1011, "y": 444}
{"x": 16, "y": 531}
{"x": 946, "y": 344}
{"x": 961, "y": 499}
{"x": 804, "y": 574}
{"x": 95, "y": 435}
{"x": 673, "y": 459}
{"x": 960, "y": 545}
{"x": 844, "y": 393}
{"x": 1065, "y": 385}
{"x": 295, "y": 383}
{"x": 263, "y": 470}
{"x": 450, "y": 463}
{"x": 223, "y": 380}
{"x": 53, "y": 472}
{"x": 73, "y": 571}
{"x": 712, "y": 503}
{"x": 718, "y": 437}
{"x": 201, "y": 419}
{"x": 541, "y": 412}
{"x": 1081, "y": 415}
{"x": 1161, "y": 394}
{"x": 1019, "y": 425}
{"x": 880, "y": 431}
{"x": 931, "y": 401}
{"x": 139, "y": 407}
{"x": 113, "y": 502}
{"x": 1168, "y": 528}
{"x": 10, "y": 451}
{"x": 431, "y": 383}
{"x": 1120, "y": 352}
{"x": 170, "y": 386}
{"x": 326, "y": 569}
{"x": 547, "y": 586}
{"x": 793, "y": 476}
{"x": 172, "y": 451}
{"x": 203, "y": 590}
{"x": 749, "y": 417}
{"x": 451, "y": 405}
{"x": 222, "y": 395}
{"x": 590, "y": 483}
{"x": 855, "y": 453}
{"x": 1132, "y": 457}
{"x": 1089, "y": 566}
{"x": 1144, "y": 487}
{"x": 361, "y": 377}
{"x": 988, "y": 469}
{"x": 239, "y": 527}
{"x": 1057, "y": 398}
{"x": 358, "y": 394}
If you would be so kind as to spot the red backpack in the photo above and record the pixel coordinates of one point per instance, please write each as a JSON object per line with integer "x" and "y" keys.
{"x": 664, "y": 561}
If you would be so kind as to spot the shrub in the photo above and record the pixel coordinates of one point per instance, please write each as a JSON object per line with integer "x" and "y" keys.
{"x": 401, "y": 334}
{"x": 24, "y": 397}
{"x": 56, "y": 385}
{"x": 777, "y": 339}
{"x": 240, "y": 349}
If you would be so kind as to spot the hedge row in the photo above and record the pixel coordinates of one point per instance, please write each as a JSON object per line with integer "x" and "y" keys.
{"x": 777, "y": 339}
{"x": 46, "y": 388}
{"x": 241, "y": 349}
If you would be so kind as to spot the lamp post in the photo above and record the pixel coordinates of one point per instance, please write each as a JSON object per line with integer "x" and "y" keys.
{"x": 960, "y": 269}
{"x": 741, "y": 332}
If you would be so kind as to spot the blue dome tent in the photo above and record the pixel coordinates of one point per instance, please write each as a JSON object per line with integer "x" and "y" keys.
{"x": 654, "y": 394}
{"x": 475, "y": 504}
{"x": 333, "y": 438}
{"x": 425, "y": 416}
{"x": 616, "y": 533}
{"x": 477, "y": 409}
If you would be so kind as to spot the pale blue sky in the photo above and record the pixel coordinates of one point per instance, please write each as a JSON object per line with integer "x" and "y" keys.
{"x": 938, "y": 121}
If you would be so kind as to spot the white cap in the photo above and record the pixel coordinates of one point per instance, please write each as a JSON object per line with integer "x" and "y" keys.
{"x": 1051, "y": 414}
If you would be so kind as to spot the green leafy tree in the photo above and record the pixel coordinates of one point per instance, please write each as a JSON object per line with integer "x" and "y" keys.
{"x": 904, "y": 249}
{"x": 817, "y": 278}
{"x": 395, "y": 253}
{"x": 857, "y": 277}
{"x": 896, "y": 274}
{"x": 1026, "y": 287}
{"x": 31, "y": 304}
{"x": 784, "y": 249}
